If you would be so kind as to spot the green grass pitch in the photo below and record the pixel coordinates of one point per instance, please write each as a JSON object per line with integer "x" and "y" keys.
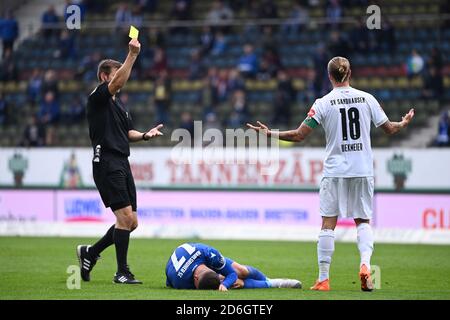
{"x": 35, "y": 268}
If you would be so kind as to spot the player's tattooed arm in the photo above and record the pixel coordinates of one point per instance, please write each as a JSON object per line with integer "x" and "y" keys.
{"x": 296, "y": 135}
{"x": 394, "y": 127}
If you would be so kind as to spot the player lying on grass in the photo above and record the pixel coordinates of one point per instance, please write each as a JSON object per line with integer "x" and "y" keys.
{"x": 199, "y": 266}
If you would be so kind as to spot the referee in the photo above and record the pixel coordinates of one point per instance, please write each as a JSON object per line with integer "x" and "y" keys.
{"x": 111, "y": 130}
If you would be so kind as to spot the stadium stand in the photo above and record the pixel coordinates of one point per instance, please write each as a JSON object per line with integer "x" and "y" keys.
{"x": 405, "y": 64}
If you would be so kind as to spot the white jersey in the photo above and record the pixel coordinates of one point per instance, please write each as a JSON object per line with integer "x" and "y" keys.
{"x": 345, "y": 114}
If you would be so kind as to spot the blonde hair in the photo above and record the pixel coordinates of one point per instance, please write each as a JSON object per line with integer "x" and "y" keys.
{"x": 339, "y": 69}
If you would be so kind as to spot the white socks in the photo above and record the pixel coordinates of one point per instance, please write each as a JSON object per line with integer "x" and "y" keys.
{"x": 325, "y": 249}
{"x": 365, "y": 243}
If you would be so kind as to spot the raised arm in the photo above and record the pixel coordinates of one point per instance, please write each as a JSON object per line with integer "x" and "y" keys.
{"x": 394, "y": 127}
{"x": 122, "y": 75}
{"x": 296, "y": 135}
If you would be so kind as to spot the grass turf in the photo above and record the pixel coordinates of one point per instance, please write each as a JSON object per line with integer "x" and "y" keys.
{"x": 35, "y": 268}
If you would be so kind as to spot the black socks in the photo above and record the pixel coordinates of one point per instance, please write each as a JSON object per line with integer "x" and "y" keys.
{"x": 121, "y": 240}
{"x": 103, "y": 243}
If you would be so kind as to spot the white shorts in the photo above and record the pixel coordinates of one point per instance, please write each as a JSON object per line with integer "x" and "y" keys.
{"x": 346, "y": 197}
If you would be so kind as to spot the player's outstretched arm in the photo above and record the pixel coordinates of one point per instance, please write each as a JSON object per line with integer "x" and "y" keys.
{"x": 394, "y": 127}
{"x": 122, "y": 75}
{"x": 135, "y": 136}
{"x": 296, "y": 135}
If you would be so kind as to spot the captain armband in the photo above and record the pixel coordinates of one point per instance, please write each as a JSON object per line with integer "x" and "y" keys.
{"x": 311, "y": 122}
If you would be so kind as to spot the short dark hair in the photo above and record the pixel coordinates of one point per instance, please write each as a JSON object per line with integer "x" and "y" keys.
{"x": 209, "y": 280}
{"x": 106, "y": 66}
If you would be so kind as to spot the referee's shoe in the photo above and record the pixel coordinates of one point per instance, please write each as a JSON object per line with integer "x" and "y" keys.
{"x": 125, "y": 277}
{"x": 87, "y": 262}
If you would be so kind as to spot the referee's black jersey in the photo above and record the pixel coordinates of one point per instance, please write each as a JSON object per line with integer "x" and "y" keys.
{"x": 109, "y": 122}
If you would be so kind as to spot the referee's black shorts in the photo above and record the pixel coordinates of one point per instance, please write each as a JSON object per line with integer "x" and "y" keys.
{"x": 114, "y": 180}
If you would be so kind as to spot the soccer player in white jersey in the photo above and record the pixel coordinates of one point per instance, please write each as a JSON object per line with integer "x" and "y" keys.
{"x": 347, "y": 186}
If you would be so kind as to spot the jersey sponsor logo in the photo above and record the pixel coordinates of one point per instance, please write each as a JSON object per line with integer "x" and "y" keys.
{"x": 311, "y": 112}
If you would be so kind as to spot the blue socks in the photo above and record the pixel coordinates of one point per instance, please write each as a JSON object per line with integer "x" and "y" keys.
{"x": 255, "y": 284}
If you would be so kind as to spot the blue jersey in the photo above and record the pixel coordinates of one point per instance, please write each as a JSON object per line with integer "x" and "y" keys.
{"x": 187, "y": 257}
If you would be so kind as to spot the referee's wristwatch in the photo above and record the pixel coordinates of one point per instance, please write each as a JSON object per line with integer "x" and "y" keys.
{"x": 144, "y": 138}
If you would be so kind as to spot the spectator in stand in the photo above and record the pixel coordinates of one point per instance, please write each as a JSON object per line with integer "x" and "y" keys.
{"x": 50, "y": 136}
{"x": 359, "y": 38}
{"x": 435, "y": 60}
{"x": 50, "y": 84}
{"x": 268, "y": 10}
{"x": 123, "y": 17}
{"x": 221, "y": 86}
{"x": 443, "y": 137}
{"x": 34, "y": 133}
{"x": 298, "y": 19}
{"x": 338, "y": 45}
{"x": 248, "y": 63}
{"x": 196, "y": 67}
{"x": 415, "y": 64}
{"x": 284, "y": 97}
{"x": 235, "y": 81}
{"x": 209, "y": 97}
{"x": 252, "y": 13}
{"x": 161, "y": 98}
{"x": 266, "y": 70}
{"x": 8, "y": 67}
{"x": 96, "y": 6}
{"x": 4, "y": 110}
{"x": 50, "y": 22}
{"x": 181, "y": 12}
{"x": 313, "y": 87}
{"x": 147, "y": 6}
{"x": 49, "y": 109}
{"x": 434, "y": 80}
{"x": 155, "y": 38}
{"x": 219, "y": 44}
{"x": 270, "y": 48}
{"x": 386, "y": 41}
{"x": 9, "y": 31}
{"x": 219, "y": 14}
{"x": 239, "y": 110}
{"x": 136, "y": 18}
{"x": 76, "y": 111}
{"x": 211, "y": 122}
{"x": 334, "y": 13}
{"x": 270, "y": 60}
{"x": 34, "y": 86}
{"x": 87, "y": 69}
{"x": 187, "y": 123}
{"x": 433, "y": 84}
{"x": 66, "y": 48}
{"x": 206, "y": 40}
{"x": 320, "y": 60}
{"x": 159, "y": 63}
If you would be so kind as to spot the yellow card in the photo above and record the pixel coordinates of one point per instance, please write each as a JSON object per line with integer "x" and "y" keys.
{"x": 133, "y": 33}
